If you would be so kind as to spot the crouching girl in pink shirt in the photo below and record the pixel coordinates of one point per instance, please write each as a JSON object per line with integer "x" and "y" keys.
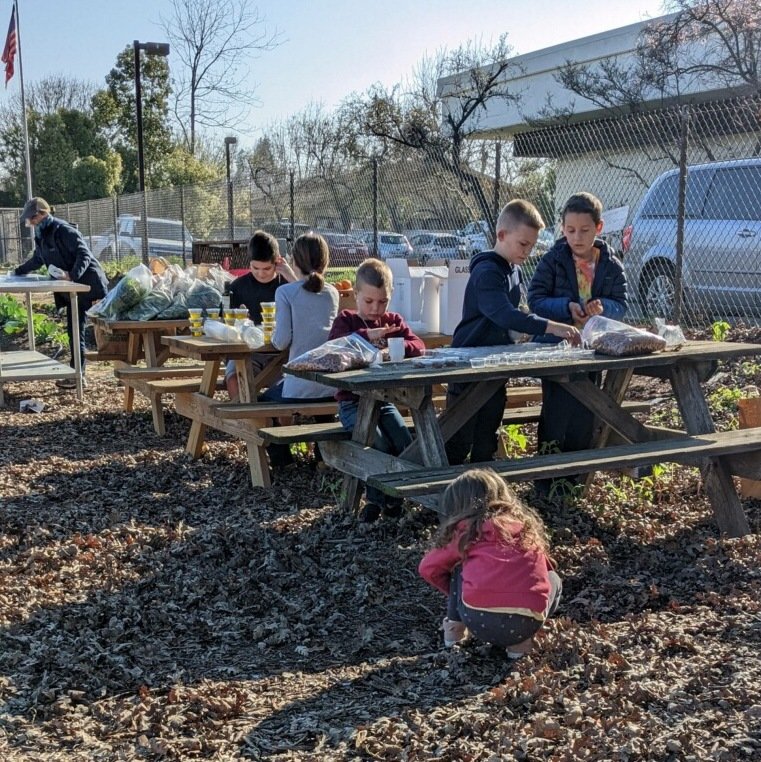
{"x": 492, "y": 561}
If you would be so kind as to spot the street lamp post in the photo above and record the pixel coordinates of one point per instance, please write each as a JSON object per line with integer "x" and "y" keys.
{"x": 230, "y": 141}
{"x": 151, "y": 49}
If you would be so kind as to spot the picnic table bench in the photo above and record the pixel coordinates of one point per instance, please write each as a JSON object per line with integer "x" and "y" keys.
{"x": 424, "y": 464}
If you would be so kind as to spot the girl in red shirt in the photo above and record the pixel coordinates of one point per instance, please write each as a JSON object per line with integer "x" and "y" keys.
{"x": 492, "y": 561}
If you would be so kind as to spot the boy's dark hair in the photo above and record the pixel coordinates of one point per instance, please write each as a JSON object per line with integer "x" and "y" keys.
{"x": 376, "y": 273}
{"x": 583, "y": 203}
{"x": 519, "y": 212}
{"x": 263, "y": 247}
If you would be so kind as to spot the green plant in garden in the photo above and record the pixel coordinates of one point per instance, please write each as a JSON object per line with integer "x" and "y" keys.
{"x": 515, "y": 440}
{"x": 11, "y": 309}
{"x": 13, "y": 320}
{"x": 719, "y": 330}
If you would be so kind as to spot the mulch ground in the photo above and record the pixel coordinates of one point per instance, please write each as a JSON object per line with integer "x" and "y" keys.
{"x": 155, "y": 607}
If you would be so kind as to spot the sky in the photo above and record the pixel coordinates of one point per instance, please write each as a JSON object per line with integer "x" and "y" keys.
{"x": 330, "y": 48}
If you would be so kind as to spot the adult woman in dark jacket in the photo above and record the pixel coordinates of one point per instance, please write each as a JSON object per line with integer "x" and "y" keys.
{"x": 577, "y": 278}
{"x": 60, "y": 244}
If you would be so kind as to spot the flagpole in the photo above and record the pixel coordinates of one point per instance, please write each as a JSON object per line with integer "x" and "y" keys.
{"x": 23, "y": 106}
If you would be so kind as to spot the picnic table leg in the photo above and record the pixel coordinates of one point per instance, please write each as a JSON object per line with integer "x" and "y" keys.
{"x": 428, "y": 434}
{"x": 364, "y": 434}
{"x": 133, "y": 355}
{"x": 258, "y": 464}
{"x": 615, "y": 385}
{"x": 198, "y": 429}
{"x": 717, "y": 478}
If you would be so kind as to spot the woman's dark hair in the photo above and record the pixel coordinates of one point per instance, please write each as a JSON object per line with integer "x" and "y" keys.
{"x": 311, "y": 255}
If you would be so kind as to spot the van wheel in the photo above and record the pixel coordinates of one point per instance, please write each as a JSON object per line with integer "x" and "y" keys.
{"x": 658, "y": 293}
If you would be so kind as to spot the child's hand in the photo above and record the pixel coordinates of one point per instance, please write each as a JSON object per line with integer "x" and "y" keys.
{"x": 284, "y": 269}
{"x": 593, "y": 307}
{"x": 577, "y": 312}
{"x": 380, "y": 333}
{"x": 563, "y": 331}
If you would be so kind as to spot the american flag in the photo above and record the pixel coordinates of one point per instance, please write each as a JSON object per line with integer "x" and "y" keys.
{"x": 11, "y": 45}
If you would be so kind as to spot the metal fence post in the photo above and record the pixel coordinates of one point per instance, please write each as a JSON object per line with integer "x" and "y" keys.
{"x": 684, "y": 132}
{"x": 89, "y": 223}
{"x": 375, "y": 206}
{"x": 497, "y": 180}
{"x": 144, "y": 202}
{"x": 182, "y": 220}
{"x": 292, "y": 208}
{"x": 117, "y": 248}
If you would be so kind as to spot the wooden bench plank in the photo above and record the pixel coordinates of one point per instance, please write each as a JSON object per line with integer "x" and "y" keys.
{"x": 163, "y": 371}
{"x": 275, "y": 409}
{"x": 676, "y": 450}
{"x": 332, "y": 432}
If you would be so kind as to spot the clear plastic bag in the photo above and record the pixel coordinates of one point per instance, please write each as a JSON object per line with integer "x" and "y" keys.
{"x": 610, "y": 337}
{"x": 251, "y": 334}
{"x": 218, "y": 330}
{"x": 203, "y": 296}
{"x": 153, "y": 304}
{"x": 344, "y": 353}
{"x": 127, "y": 293}
{"x": 672, "y": 334}
{"x": 176, "y": 310}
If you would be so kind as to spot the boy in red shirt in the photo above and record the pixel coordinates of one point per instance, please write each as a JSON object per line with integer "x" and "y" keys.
{"x": 372, "y": 322}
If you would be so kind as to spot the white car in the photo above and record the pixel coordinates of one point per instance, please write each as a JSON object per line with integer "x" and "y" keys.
{"x": 477, "y": 235}
{"x": 389, "y": 244}
{"x": 166, "y": 238}
{"x": 439, "y": 246}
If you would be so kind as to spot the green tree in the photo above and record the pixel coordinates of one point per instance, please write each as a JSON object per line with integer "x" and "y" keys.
{"x": 114, "y": 110}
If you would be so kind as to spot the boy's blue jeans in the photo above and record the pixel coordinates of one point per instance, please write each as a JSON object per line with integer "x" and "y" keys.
{"x": 391, "y": 435}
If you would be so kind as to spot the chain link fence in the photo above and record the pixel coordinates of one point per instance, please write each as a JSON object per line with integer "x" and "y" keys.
{"x": 682, "y": 192}
{"x": 681, "y": 189}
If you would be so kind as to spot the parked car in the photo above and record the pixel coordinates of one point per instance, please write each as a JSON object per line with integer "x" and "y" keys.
{"x": 240, "y": 233}
{"x": 389, "y": 244}
{"x": 165, "y": 238}
{"x": 721, "y": 266}
{"x": 345, "y": 250}
{"x": 544, "y": 242}
{"x": 477, "y": 234}
{"x": 439, "y": 246}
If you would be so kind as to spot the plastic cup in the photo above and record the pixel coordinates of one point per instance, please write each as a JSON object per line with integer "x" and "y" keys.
{"x": 195, "y": 313}
{"x": 268, "y": 308}
{"x": 241, "y": 313}
{"x": 196, "y": 330}
{"x": 478, "y": 362}
{"x": 396, "y": 349}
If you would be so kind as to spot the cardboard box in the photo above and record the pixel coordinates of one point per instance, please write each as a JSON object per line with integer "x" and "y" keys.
{"x": 453, "y": 295}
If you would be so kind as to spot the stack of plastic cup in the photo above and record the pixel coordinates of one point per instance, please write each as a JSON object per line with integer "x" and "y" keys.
{"x": 268, "y": 320}
{"x": 196, "y": 322}
{"x": 230, "y": 316}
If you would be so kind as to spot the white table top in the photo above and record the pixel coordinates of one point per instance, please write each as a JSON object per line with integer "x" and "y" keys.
{"x": 35, "y": 284}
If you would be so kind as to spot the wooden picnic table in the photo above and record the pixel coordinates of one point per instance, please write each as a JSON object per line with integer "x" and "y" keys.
{"x": 242, "y": 419}
{"x": 31, "y": 365}
{"x": 144, "y": 337}
{"x": 200, "y": 407}
{"x": 422, "y": 469}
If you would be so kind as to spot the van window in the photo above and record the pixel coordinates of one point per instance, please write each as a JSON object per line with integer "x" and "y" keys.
{"x": 735, "y": 194}
{"x": 662, "y": 202}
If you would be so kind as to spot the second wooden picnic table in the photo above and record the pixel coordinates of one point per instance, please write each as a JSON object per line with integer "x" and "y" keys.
{"x": 422, "y": 469}
{"x": 200, "y": 406}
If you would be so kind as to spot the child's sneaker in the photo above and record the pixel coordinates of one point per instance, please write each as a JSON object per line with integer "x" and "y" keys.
{"x": 369, "y": 513}
{"x": 454, "y": 632}
{"x": 519, "y": 650}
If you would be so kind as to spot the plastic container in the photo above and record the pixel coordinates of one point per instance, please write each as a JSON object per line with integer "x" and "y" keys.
{"x": 478, "y": 362}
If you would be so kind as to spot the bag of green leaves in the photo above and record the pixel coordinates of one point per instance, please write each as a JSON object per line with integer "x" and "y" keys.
{"x": 126, "y": 294}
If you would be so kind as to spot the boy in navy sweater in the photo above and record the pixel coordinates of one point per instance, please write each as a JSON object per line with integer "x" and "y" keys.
{"x": 491, "y": 310}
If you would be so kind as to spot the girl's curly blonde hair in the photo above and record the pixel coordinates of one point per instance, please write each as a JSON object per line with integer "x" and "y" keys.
{"x": 478, "y": 495}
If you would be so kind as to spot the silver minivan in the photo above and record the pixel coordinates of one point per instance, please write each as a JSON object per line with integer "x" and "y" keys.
{"x": 721, "y": 267}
